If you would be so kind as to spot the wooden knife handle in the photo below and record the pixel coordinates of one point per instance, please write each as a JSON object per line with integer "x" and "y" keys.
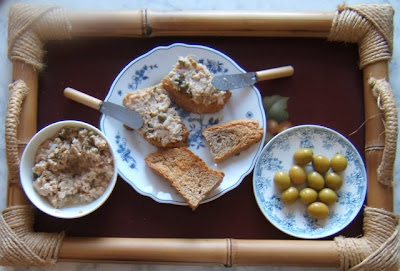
{"x": 275, "y": 73}
{"x": 82, "y": 98}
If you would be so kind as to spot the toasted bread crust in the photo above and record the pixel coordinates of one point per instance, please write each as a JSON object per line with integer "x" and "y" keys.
{"x": 158, "y": 144}
{"x": 230, "y": 138}
{"x": 182, "y": 143}
{"x": 162, "y": 125}
{"x": 189, "y": 86}
{"x": 186, "y": 172}
{"x": 184, "y": 101}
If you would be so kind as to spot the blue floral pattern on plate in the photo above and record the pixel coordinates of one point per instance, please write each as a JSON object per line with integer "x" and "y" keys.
{"x": 124, "y": 151}
{"x": 148, "y": 70}
{"x": 141, "y": 75}
{"x": 213, "y": 66}
{"x": 293, "y": 219}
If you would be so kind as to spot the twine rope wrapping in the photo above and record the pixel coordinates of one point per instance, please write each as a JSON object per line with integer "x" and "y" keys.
{"x": 385, "y": 100}
{"x": 18, "y": 90}
{"x": 371, "y": 26}
{"x": 20, "y": 245}
{"x": 30, "y": 26}
{"x": 378, "y": 249}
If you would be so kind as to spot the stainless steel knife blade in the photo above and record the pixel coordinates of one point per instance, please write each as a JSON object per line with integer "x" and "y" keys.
{"x": 234, "y": 81}
{"x": 125, "y": 115}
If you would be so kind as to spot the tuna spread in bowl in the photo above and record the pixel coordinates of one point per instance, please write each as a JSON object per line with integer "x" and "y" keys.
{"x": 68, "y": 169}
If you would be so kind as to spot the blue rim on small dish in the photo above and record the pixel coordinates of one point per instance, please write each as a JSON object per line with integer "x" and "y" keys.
{"x": 148, "y": 70}
{"x": 278, "y": 155}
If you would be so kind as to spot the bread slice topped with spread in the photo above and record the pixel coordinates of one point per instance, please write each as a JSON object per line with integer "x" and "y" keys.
{"x": 189, "y": 86}
{"x": 232, "y": 137}
{"x": 162, "y": 125}
{"x": 186, "y": 172}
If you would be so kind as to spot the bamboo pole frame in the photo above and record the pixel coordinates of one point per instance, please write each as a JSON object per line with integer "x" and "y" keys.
{"x": 225, "y": 252}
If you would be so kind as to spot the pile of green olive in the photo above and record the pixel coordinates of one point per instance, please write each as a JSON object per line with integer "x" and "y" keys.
{"x": 321, "y": 183}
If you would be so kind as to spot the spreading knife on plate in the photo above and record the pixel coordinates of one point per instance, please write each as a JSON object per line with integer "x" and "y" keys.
{"x": 125, "y": 115}
{"x": 240, "y": 80}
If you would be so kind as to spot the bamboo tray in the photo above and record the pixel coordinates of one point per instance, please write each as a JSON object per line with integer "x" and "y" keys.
{"x": 166, "y": 26}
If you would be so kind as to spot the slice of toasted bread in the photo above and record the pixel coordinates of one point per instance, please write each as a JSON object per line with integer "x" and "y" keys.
{"x": 162, "y": 125}
{"x": 232, "y": 137}
{"x": 187, "y": 173}
{"x": 189, "y": 86}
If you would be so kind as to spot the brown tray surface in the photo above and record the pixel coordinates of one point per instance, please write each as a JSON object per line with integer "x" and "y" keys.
{"x": 326, "y": 89}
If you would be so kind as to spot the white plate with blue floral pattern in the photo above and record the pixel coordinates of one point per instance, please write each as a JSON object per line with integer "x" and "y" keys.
{"x": 278, "y": 155}
{"x": 148, "y": 70}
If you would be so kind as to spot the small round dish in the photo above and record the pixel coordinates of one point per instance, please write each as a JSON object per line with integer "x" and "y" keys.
{"x": 293, "y": 219}
{"x": 27, "y": 175}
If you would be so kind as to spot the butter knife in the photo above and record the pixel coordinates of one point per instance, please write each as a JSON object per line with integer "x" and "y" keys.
{"x": 125, "y": 115}
{"x": 240, "y": 80}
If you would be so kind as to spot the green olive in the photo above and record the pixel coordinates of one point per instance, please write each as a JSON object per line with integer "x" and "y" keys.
{"x": 290, "y": 195}
{"x": 297, "y": 175}
{"x": 318, "y": 210}
{"x": 303, "y": 156}
{"x": 327, "y": 196}
{"x": 282, "y": 180}
{"x": 308, "y": 195}
{"x": 315, "y": 180}
{"x": 321, "y": 164}
{"x": 338, "y": 163}
{"x": 333, "y": 180}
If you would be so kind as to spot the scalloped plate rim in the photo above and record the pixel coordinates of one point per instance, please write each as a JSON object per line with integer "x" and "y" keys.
{"x": 259, "y": 100}
{"x": 358, "y": 156}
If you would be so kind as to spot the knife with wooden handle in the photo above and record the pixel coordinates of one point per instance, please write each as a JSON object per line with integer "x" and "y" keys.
{"x": 125, "y": 115}
{"x": 233, "y": 81}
